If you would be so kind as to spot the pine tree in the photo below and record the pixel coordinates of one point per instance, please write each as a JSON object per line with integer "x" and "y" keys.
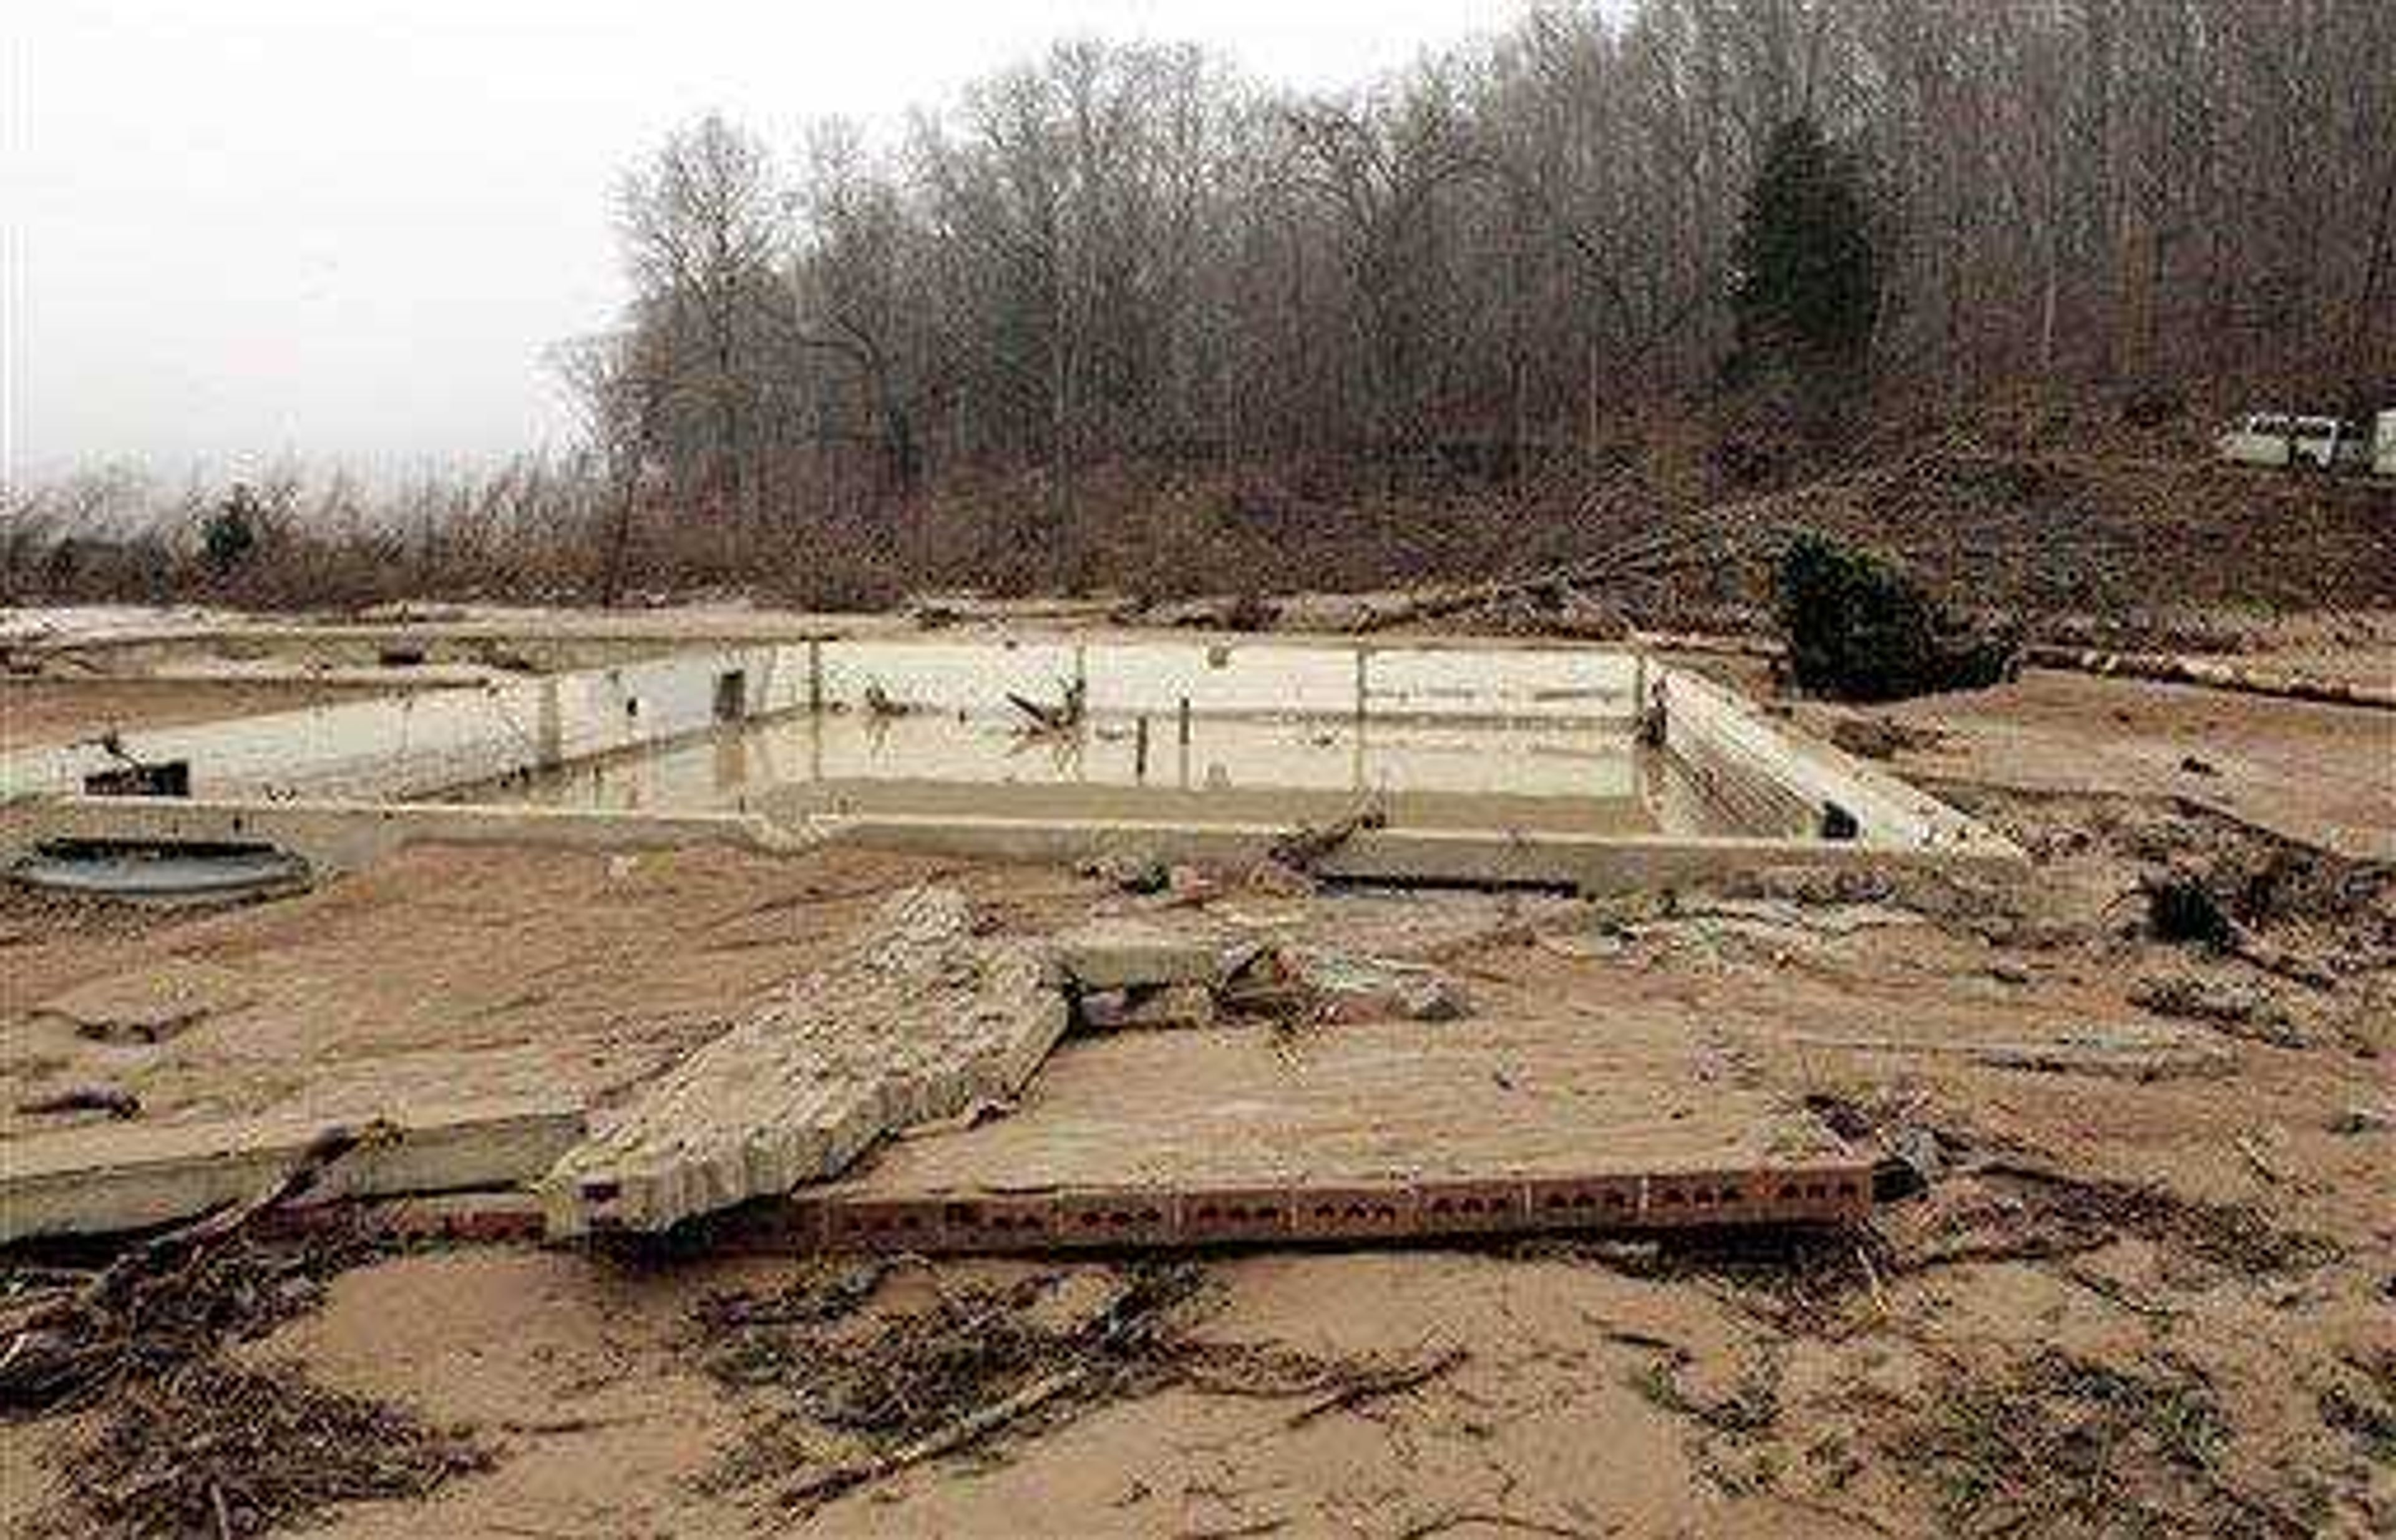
{"x": 1806, "y": 264}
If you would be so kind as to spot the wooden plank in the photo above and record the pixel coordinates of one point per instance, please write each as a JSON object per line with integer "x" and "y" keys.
{"x": 109, "y": 1177}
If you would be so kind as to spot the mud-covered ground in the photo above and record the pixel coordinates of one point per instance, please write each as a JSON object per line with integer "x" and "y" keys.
{"x": 2135, "y": 1273}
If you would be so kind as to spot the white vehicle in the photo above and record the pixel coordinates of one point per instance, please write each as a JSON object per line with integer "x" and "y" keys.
{"x": 2284, "y": 439}
{"x": 2383, "y": 445}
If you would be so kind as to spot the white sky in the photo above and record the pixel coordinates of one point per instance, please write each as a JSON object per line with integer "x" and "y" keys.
{"x": 344, "y": 229}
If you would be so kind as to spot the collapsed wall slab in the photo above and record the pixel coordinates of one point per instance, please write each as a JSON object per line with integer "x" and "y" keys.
{"x": 919, "y": 1025}
{"x": 111, "y": 1177}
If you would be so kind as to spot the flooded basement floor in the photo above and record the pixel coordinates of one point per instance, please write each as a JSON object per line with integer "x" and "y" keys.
{"x": 1588, "y": 778}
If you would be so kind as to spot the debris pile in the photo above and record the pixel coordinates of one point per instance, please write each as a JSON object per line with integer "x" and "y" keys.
{"x": 180, "y": 1440}
{"x": 170, "y": 1301}
{"x": 2066, "y": 1443}
{"x": 854, "y": 1399}
{"x": 919, "y": 1385}
{"x": 210, "y": 1448}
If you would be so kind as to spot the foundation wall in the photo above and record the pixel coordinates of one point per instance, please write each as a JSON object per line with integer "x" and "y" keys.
{"x": 395, "y": 746}
{"x": 1592, "y": 863}
{"x": 348, "y": 778}
{"x": 1775, "y": 779}
{"x": 1230, "y": 679}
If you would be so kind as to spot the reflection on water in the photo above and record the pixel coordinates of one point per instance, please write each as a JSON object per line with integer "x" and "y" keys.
{"x": 1583, "y": 776}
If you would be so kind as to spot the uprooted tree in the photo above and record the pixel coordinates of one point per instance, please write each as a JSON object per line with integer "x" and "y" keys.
{"x": 1859, "y": 627}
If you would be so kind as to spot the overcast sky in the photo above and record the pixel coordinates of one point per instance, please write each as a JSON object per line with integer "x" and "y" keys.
{"x": 345, "y": 230}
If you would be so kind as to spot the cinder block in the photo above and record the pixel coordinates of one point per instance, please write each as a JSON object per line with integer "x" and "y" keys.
{"x": 899, "y": 1224}
{"x": 1025, "y": 1222}
{"x": 803, "y": 1222}
{"x": 1470, "y": 1207}
{"x": 1358, "y": 1211}
{"x": 1822, "y": 1195}
{"x": 1130, "y": 1216}
{"x": 1583, "y": 1202}
{"x": 1236, "y": 1214}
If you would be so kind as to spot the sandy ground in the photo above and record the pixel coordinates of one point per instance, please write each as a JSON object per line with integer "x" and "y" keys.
{"x": 2141, "y": 1292}
{"x": 509, "y": 970}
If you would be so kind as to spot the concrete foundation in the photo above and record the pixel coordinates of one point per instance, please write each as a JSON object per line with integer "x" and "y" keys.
{"x": 345, "y": 783}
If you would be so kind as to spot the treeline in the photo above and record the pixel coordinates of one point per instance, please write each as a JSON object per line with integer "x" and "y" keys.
{"x": 1507, "y": 254}
{"x": 1123, "y": 318}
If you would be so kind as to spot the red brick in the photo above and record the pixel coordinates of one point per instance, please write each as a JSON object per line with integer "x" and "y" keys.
{"x": 1235, "y": 1214}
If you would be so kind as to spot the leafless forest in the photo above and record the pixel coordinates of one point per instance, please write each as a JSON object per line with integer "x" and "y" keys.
{"x": 1121, "y": 317}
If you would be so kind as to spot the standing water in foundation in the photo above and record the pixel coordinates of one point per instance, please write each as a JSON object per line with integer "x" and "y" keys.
{"x": 1590, "y": 778}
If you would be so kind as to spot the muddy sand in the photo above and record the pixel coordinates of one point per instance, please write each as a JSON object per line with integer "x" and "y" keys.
{"x": 2134, "y": 1274}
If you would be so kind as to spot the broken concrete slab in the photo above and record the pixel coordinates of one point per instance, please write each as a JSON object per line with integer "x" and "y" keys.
{"x": 149, "y": 1006}
{"x": 1124, "y": 954}
{"x": 1148, "y": 1008}
{"x": 919, "y": 1024}
{"x": 103, "y": 1178}
{"x": 1372, "y": 989}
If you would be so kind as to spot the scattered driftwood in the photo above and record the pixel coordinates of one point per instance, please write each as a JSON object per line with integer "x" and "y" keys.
{"x": 114, "y": 1100}
{"x": 213, "y": 1448}
{"x": 939, "y": 1381}
{"x": 1374, "y": 1384}
{"x": 1303, "y": 848}
{"x": 962, "y": 1433}
{"x": 2182, "y": 907}
{"x": 1062, "y": 717}
{"x": 1557, "y": 590}
{"x": 167, "y": 1301}
{"x": 2159, "y": 668}
{"x": 936, "y": 1381}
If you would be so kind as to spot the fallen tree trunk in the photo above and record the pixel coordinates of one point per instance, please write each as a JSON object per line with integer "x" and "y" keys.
{"x": 2172, "y": 669}
{"x": 2161, "y": 668}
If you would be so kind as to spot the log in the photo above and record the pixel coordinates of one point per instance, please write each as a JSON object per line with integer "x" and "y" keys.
{"x": 2211, "y": 673}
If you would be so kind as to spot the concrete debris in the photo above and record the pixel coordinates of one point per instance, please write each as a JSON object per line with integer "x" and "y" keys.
{"x": 107, "y": 1177}
{"x": 919, "y": 1025}
{"x": 1147, "y": 1007}
{"x": 1376, "y": 988}
{"x": 150, "y": 1006}
{"x": 2240, "y": 1009}
{"x": 2362, "y": 1119}
{"x": 1123, "y": 954}
{"x": 114, "y": 1100}
{"x": 1130, "y": 873}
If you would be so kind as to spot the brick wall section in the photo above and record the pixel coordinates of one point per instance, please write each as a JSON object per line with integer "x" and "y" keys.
{"x": 1837, "y": 1192}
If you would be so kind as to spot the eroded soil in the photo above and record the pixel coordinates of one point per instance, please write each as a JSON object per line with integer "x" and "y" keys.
{"x": 2135, "y": 1275}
